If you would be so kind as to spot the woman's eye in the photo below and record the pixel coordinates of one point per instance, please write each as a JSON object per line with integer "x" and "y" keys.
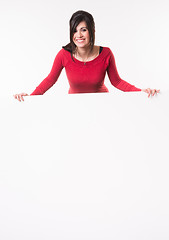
{"x": 83, "y": 30}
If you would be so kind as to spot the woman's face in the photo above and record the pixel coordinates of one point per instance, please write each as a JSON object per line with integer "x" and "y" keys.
{"x": 81, "y": 37}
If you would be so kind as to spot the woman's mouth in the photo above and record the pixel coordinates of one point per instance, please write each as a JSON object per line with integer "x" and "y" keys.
{"x": 80, "y": 40}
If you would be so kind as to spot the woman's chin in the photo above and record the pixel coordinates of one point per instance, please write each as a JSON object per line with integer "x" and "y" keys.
{"x": 81, "y": 45}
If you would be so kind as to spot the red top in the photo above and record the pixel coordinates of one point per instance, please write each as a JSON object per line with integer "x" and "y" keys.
{"x": 85, "y": 77}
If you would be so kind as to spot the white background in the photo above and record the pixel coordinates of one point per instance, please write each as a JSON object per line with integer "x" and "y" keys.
{"x": 84, "y": 166}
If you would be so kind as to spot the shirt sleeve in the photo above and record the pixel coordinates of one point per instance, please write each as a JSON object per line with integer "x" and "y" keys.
{"x": 51, "y": 79}
{"x": 115, "y": 79}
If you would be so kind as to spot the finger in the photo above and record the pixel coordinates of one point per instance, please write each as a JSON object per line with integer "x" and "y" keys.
{"x": 156, "y": 91}
{"x": 149, "y": 92}
{"x": 16, "y": 96}
{"x": 22, "y": 98}
{"x": 153, "y": 92}
{"x": 19, "y": 97}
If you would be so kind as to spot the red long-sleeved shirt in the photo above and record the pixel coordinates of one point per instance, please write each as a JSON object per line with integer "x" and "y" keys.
{"x": 85, "y": 78}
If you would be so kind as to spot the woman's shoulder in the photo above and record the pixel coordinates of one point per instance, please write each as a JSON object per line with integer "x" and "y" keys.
{"x": 63, "y": 51}
{"x": 107, "y": 49}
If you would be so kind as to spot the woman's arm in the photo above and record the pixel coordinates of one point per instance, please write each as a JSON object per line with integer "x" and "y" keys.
{"x": 119, "y": 83}
{"x": 51, "y": 79}
{"x": 48, "y": 82}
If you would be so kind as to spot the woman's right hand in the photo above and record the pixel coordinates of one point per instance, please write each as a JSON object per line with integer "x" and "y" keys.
{"x": 19, "y": 96}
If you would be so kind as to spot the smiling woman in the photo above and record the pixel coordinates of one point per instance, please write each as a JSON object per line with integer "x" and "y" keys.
{"x": 82, "y": 26}
{"x": 85, "y": 63}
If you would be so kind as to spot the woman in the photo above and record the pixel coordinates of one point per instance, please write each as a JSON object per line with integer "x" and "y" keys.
{"x": 85, "y": 63}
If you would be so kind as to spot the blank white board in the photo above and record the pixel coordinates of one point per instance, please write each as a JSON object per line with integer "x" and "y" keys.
{"x": 85, "y": 166}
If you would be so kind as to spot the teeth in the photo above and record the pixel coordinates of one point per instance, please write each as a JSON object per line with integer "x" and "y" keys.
{"x": 80, "y": 40}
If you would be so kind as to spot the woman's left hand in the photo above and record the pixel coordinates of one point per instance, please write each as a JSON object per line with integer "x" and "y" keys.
{"x": 151, "y": 92}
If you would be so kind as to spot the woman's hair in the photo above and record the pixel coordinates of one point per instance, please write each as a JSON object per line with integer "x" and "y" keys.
{"x": 76, "y": 18}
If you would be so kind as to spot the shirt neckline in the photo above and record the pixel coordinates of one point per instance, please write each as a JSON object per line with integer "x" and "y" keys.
{"x": 91, "y": 61}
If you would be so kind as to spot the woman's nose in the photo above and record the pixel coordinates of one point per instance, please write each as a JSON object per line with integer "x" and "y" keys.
{"x": 79, "y": 34}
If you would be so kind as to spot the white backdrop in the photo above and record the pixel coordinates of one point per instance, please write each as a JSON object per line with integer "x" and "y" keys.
{"x": 84, "y": 166}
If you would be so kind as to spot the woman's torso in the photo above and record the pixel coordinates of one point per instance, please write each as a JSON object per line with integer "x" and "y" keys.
{"x": 86, "y": 77}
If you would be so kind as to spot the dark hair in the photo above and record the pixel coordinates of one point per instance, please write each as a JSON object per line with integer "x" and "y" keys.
{"x": 76, "y": 18}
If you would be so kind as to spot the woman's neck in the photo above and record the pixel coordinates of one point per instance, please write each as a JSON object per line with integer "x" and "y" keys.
{"x": 84, "y": 52}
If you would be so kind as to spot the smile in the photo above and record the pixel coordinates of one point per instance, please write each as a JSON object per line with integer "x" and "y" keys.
{"x": 80, "y": 40}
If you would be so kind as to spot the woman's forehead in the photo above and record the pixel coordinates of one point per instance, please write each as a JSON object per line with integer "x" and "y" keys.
{"x": 81, "y": 25}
